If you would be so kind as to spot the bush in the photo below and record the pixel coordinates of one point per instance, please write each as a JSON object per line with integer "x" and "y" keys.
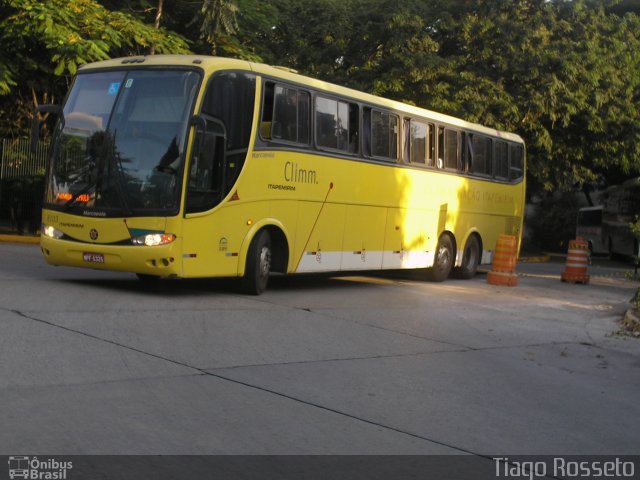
{"x": 553, "y": 222}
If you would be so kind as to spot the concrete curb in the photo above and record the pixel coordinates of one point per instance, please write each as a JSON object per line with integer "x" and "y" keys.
{"x": 30, "y": 239}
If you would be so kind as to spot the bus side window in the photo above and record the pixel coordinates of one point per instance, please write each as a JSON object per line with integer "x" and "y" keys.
{"x": 354, "y": 128}
{"x": 366, "y": 132}
{"x": 290, "y": 120}
{"x": 229, "y": 107}
{"x": 481, "y": 159}
{"x": 337, "y": 125}
{"x": 304, "y": 117}
{"x": 406, "y": 141}
{"x": 501, "y": 160}
{"x": 326, "y": 114}
{"x": 440, "y": 160}
{"x": 431, "y": 150}
{"x": 516, "y": 162}
{"x": 417, "y": 142}
{"x": 267, "y": 110}
{"x": 384, "y": 135}
{"x": 451, "y": 149}
{"x": 465, "y": 152}
{"x": 393, "y": 137}
{"x": 207, "y": 171}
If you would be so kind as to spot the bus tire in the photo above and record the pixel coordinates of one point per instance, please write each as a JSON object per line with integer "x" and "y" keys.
{"x": 443, "y": 260}
{"x": 145, "y": 277}
{"x": 258, "y": 268}
{"x": 470, "y": 259}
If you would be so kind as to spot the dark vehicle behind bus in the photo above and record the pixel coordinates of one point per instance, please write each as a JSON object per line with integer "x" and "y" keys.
{"x": 606, "y": 227}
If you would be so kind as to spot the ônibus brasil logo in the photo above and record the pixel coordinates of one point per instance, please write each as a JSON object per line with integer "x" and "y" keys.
{"x": 38, "y": 469}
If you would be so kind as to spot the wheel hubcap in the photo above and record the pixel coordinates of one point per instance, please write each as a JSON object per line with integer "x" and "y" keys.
{"x": 444, "y": 258}
{"x": 265, "y": 262}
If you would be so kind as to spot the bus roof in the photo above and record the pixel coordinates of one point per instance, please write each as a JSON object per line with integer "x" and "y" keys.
{"x": 210, "y": 64}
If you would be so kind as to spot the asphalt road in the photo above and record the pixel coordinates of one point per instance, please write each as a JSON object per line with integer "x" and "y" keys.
{"x": 100, "y": 363}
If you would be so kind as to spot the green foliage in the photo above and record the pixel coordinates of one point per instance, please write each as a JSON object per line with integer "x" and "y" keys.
{"x": 75, "y": 32}
{"x": 635, "y": 227}
{"x": 50, "y": 39}
{"x": 553, "y": 223}
{"x": 563, "y": 74}
{"x": 218, "y": 22}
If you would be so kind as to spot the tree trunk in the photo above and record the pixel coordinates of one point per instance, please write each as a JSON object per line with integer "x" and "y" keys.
{"x": 156, "y": 24}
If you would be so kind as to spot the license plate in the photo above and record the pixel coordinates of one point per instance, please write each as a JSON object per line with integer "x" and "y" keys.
{"x": 93, "y": 257}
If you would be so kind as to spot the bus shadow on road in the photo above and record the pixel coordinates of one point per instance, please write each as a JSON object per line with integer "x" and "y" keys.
{"x": 168, "y": 287}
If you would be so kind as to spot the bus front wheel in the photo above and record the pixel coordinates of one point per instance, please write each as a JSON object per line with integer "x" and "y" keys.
{"x": 443, "y": 260}
{"x": 256, "y": 274}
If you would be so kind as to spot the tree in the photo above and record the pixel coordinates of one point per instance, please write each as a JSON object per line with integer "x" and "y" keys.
{"x": 218, "y": 22}
{"x": 563, "y": 74}
{"x": 49, "y": 39}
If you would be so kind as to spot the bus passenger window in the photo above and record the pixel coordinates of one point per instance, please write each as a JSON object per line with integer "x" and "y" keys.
{"x": 326, "y": 112}
{"x": 336, "y": 125}
{"x": 482, "y": 154}
{"x": 516, "y": 162}
{"x": 465, "y": 153}
{"x": 267, "y": 110}
{"x": 431, "y": 151}
{"x": 393, "y": 137}
{"x": 290, "y": 115}
{"x": 501, "y": 160}
{"x": 451, "y": 149}
{"x": 354, "y": 128}
{"x": 418, "y": 135}
{"x": 440, "y": 160}
{"x": 384, "y": 135}
{"x": 206, "y": 177}
{"x": 304, "y": 117}
{"x": 343, "y": 126}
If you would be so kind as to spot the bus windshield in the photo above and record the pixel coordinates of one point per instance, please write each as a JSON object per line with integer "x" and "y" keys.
{"x": 119, "y": 148}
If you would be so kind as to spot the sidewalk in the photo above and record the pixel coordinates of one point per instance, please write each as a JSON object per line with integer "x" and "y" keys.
{"x": 9, "y": 238}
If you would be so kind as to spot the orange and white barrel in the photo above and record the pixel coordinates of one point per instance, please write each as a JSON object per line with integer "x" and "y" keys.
{"x": 503, "y": 268}
{"x": 575, "y": 270}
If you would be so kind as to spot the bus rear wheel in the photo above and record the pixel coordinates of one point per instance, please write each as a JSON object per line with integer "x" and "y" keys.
{"x": 258, "y": 268}
{"x": 443, "y": 260}
{"x": 470, "y": 259}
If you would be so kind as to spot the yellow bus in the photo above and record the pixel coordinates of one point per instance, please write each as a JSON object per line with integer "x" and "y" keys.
{"x": 196, "y": 166}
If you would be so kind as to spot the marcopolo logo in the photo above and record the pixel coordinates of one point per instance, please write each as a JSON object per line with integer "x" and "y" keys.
{"x": 38, "y": 469}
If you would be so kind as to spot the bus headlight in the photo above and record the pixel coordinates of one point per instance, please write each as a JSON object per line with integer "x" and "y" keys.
{"x": 154, "y": 239}
{"x": 51, "y": 232}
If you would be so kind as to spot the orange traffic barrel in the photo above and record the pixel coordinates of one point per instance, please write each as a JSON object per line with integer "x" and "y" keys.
{"x": 503, "y": 268}
{"x": 575, "y": 270}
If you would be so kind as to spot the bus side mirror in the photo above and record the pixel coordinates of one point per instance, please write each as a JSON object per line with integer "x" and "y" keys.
{"x": 35, "y": 123}
{"x": 198, "y": 121}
